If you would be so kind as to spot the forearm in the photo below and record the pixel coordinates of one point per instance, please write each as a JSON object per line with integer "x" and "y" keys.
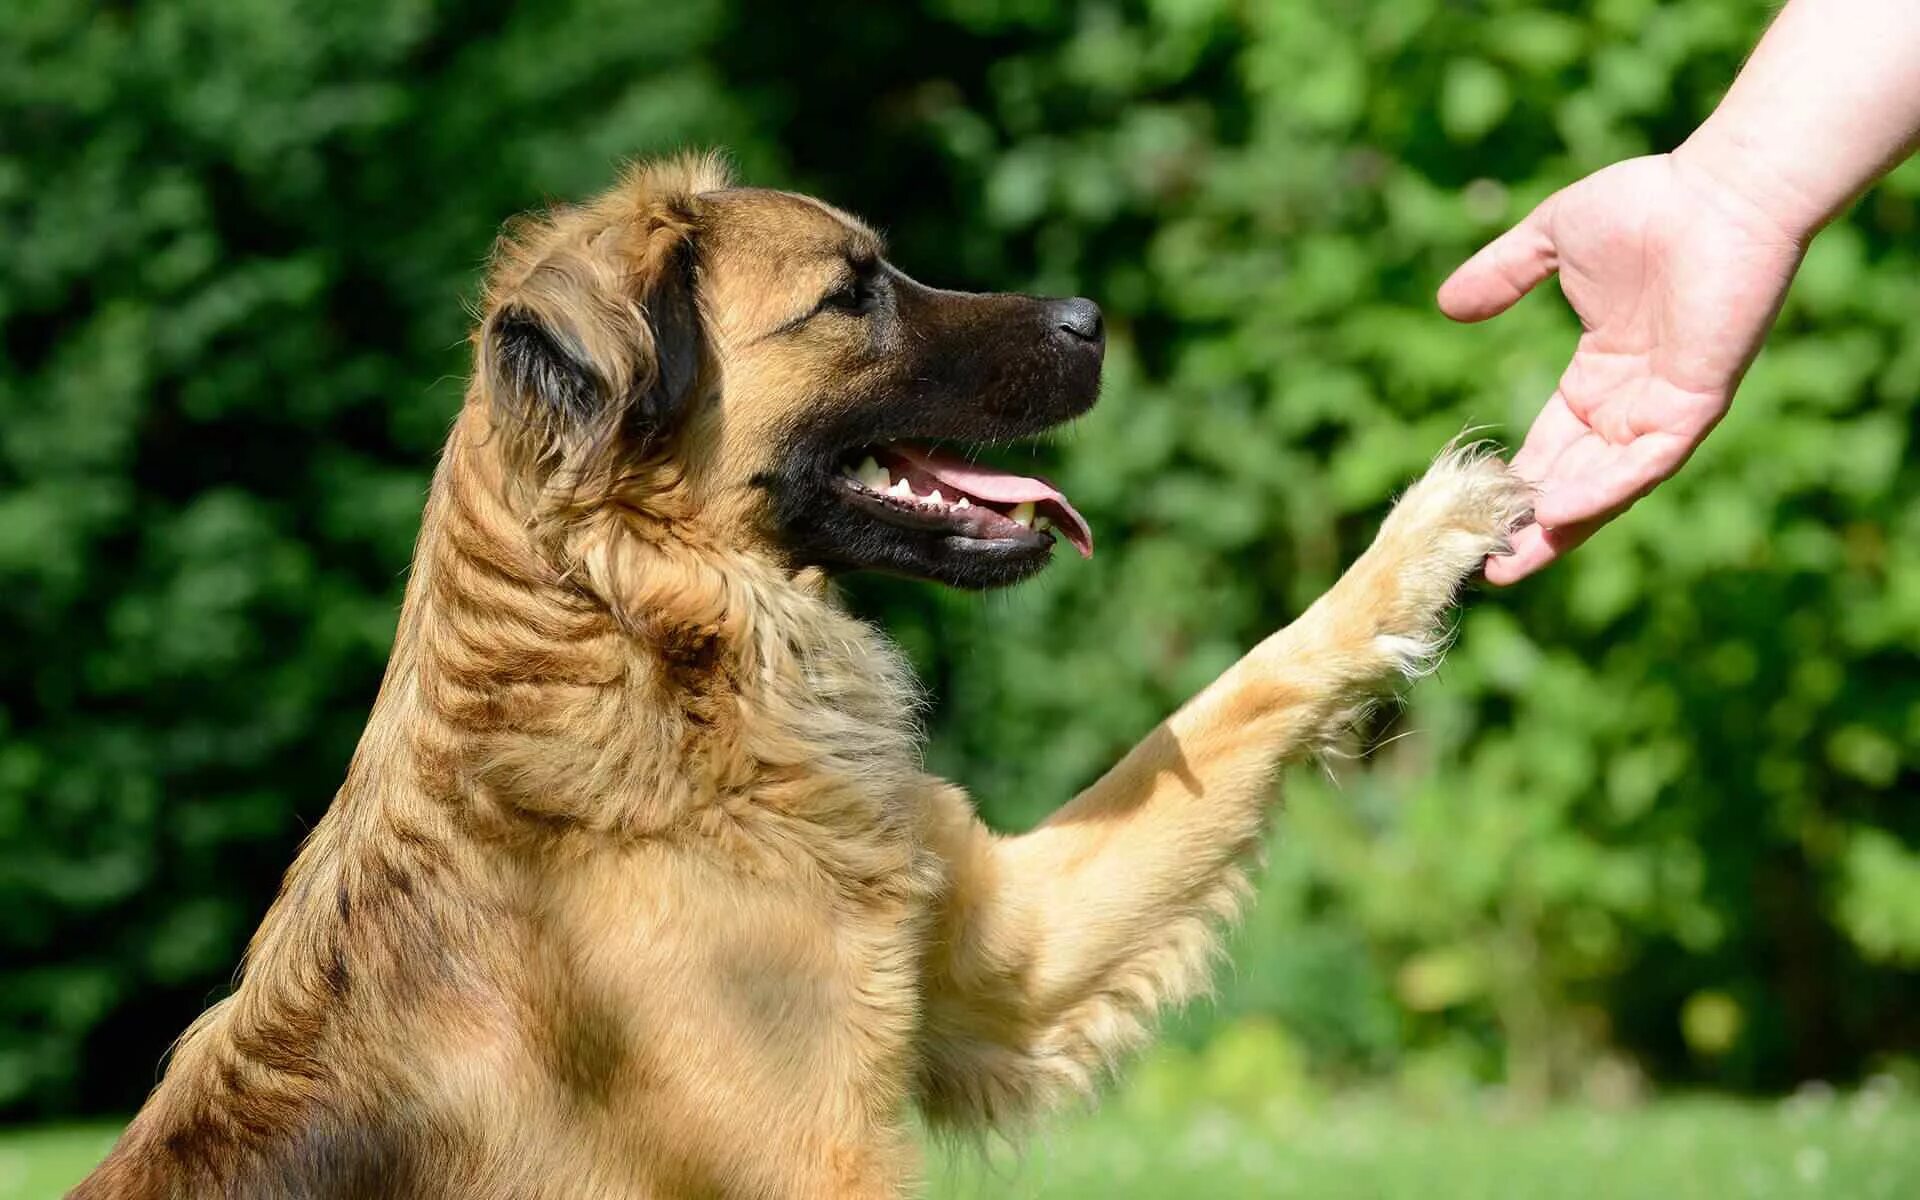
{"x": 1829, "y": 102}
{"x": 1058, "y": 946}
{"x": 1044, "y": 919}
{"x": 1111, "y": 878}
{"x": 1165, "y": 829}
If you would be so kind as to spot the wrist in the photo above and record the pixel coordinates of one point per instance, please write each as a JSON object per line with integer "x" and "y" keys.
{"x": 1756, "y": 183}
{"x": 1828, "y": 102}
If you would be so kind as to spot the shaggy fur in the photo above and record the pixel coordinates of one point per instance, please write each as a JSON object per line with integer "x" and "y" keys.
{"x": 636, "y": 886}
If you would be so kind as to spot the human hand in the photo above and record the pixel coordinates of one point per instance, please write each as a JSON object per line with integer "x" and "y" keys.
{"x": 1676, "y": 278}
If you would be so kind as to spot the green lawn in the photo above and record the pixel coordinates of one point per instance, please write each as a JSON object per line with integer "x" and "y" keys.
{"x": 1860, "y": 1147}
{"x": 1864, "y": 1146}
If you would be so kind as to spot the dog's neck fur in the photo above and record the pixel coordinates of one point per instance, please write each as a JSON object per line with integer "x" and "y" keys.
{"x": 584, "y": 666}
{"x": 555, "y": 690}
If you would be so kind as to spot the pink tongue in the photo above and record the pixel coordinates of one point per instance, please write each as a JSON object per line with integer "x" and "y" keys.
{"x": 1001, "y": 487}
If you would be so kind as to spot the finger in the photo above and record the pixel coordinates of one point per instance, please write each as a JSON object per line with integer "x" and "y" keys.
{"x": 1612, "y": 484}
{"x": 1533, "y": 548}
{"x": 1552, "y": 432}
{"x": 1504, "y": 270}
{"x": 1530, "y": 552}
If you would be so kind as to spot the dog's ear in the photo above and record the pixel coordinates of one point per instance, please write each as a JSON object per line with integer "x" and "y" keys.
{"x": 540, "y": 367}
{"x": 592, "y": 352}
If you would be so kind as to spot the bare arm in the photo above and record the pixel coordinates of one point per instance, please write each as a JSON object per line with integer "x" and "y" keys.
{"x": 1829, "y": 102}
{"x": 1677, "y": 263}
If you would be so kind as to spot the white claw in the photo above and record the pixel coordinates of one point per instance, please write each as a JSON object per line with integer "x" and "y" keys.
{"x": 1022, "y": 513}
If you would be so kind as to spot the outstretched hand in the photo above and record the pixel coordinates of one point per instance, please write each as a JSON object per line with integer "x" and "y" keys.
{"x": 1676, "y": 279}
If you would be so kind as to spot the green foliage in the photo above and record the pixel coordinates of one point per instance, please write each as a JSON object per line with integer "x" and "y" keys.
{"x": 239, "y": 235}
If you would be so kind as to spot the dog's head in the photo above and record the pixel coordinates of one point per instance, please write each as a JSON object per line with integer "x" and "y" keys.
{"x": 746, "y": 367}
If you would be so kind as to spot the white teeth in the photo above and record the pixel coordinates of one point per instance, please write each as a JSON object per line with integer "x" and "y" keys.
{"x": 901, "y": 488}
{"x": 872, "y": 474}
{"x": 937, "y": 498}
{"x": 963, "y": 502}
{"x": 1042, "y": 523}
{"x": 1022, "y": 513}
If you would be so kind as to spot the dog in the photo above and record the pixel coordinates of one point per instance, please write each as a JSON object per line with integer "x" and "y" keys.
{"x": 636, "y": 886}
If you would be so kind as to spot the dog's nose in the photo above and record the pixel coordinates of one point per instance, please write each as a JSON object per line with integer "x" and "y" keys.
{"x": 1079, "y": 318}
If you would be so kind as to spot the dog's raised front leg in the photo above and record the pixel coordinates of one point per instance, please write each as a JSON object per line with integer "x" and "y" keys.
{"x": 1057, "y": 947}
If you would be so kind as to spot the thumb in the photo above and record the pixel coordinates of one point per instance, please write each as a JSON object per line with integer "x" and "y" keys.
{"x": 1504, "y": 270}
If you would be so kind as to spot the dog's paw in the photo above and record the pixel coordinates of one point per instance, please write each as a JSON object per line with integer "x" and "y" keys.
{"x": 1465, "y": 508}
{"x": 1462, "y": 510}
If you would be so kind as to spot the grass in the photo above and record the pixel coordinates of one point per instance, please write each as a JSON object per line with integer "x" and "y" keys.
{"x": 1860, "y": 1147}
{"x": 1863, "y": 1146}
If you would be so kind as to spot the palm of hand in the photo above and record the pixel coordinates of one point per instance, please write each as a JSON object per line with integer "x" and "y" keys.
{"x": 1676, "y": 283}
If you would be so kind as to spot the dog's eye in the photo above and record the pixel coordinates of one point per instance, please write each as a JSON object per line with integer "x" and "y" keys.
{"x": 856, "y": 297}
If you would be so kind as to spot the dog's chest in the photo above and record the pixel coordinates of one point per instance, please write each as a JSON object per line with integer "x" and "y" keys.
{"x": 854, "y": 894}
{"x": 772, "y": 954}
{"x": 766, "y": 980}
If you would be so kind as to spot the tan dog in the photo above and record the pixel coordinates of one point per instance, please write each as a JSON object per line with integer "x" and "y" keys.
{"x": 636, "y": 886}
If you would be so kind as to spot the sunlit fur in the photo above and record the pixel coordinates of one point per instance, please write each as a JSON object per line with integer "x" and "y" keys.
{"x": 636, "y": 886}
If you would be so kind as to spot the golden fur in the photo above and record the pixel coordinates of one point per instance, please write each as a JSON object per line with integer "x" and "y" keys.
{"x": 636, "y": 886}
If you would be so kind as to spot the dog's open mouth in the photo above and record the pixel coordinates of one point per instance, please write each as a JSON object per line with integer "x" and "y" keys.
{"x": 919, "y": 488}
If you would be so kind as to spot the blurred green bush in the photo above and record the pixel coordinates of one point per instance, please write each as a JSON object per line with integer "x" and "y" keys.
{"x": 1658, "y": 804}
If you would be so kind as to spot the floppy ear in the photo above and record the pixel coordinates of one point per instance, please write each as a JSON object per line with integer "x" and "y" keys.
{"x": 594, "y": 353}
